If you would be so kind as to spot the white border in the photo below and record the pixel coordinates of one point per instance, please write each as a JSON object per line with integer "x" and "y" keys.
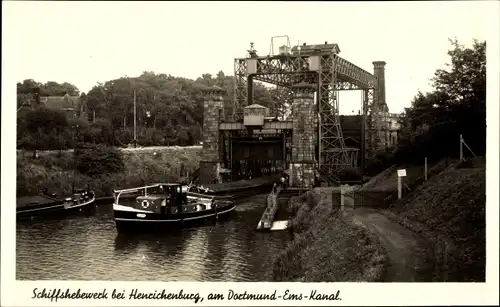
{"x": 17, "y": 293}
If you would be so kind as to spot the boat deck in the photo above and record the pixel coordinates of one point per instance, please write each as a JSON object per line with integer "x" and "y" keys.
{"x": 38, "y": 200}
{"x": 243, "y": 184}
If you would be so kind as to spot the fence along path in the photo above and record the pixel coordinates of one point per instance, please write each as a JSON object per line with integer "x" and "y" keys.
{"x": 350, "y": 198}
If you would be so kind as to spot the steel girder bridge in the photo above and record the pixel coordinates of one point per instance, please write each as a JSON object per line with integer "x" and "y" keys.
{"x": 322, "y": 67}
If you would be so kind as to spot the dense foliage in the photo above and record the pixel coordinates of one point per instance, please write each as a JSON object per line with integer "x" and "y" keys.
{"x": 58, "y": 171}
{"x": 169, "y": 111}
{"x": 43, "y": 129}
{"x": 431, "y": 127}
{"x": 94, "y": 160}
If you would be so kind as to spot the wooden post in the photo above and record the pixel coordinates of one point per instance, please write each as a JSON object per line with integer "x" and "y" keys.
{"x": 461, "y": 149}
{"x": 425, "y": 169}
{"x": 400, "y": 187}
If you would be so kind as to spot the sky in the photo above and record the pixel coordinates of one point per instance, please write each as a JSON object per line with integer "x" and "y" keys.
{"x": 88, "y": 42}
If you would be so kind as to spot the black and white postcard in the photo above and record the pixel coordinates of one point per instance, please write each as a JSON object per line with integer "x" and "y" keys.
{"x": 250, "y": 153}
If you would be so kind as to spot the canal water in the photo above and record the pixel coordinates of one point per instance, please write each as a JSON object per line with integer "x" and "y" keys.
{"x": 89, "y": 248}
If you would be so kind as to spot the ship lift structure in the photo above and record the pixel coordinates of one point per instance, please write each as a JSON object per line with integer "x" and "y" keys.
{"x": 321, "y": 67}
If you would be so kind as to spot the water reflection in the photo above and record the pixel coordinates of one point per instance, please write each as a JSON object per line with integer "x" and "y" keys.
{"x": 164, "y": 245}
{"x": 89, "y": 248}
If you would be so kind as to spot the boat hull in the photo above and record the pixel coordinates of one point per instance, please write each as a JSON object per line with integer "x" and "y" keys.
{"x": 127, "y": 220}
{"x": 56, "y": 210}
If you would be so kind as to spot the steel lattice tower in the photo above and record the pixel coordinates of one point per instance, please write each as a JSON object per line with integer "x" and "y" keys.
{"x": 321, "y": 66}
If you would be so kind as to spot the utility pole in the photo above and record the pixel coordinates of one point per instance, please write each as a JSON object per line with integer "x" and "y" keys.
{"x": 135, "y": 125}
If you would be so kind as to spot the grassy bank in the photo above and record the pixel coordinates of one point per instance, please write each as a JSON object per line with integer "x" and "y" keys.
{"x": 327, "y": 246}
{"x": 449, "y": 210}
{"x": 54, "y": 170}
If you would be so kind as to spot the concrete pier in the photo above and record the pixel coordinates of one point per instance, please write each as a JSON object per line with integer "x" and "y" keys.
{"x": 267, "y": 219}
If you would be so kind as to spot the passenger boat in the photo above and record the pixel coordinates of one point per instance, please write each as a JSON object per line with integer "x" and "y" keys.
{"x": 49, "y": 205}
{"x": 164, "y": 205}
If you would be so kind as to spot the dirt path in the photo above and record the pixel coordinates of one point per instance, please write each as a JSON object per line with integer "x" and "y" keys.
{"x": 407, "y": 252}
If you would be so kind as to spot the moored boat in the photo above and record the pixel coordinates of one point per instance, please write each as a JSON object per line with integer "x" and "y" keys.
{"x": 45, "y": 205}
{"x": 164, "y": 205}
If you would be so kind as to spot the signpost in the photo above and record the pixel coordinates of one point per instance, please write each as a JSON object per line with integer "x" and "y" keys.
{"x": 401, "y": 174}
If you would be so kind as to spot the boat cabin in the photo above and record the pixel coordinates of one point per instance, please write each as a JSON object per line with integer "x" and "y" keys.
{"x": 173, "y": 193}
{"x": 161, "y": 198}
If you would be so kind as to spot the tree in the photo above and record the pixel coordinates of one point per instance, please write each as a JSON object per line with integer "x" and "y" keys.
{"x": 457, "y": 105}
{"x": 52, "y": 88}
{"x": 46, "y": 120}
{"x": 466, "y": 78}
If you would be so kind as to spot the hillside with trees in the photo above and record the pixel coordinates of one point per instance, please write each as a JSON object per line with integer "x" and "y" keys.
{"x": 169, "y": 111}
{"x": 431, "y": 126}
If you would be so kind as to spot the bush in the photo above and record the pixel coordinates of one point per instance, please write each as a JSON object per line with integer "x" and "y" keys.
{"x": 95, "y": 159}
{"x": 351, "y": 173}
{"x": 45, "y": 119}
{"x": 380, "y": 162}
{"x": 125, "y": 136}
{"x": 101, "y": 132}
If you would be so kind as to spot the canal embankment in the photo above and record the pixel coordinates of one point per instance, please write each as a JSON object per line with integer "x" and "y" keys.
{"x": 326, "y": 245}
{"x": 436, "y": 232}
{"x": 449, "y": 210}
{"x": 56, "y": 170}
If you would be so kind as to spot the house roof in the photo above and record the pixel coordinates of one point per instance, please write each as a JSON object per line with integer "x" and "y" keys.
{"x": 323, "y": 47}
{"x": 61, "y": 102}
{"x": 255, "y": 106}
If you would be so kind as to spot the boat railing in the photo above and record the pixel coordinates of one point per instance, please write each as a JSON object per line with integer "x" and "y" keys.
{"x": 209, "y": 196}
{"x": 118, "y": 193}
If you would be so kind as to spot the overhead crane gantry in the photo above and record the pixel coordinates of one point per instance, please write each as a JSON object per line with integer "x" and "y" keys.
{"x": 321, "y": 66}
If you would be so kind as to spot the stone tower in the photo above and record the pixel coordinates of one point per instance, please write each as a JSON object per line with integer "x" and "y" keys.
{"x": 378, "y": 130}
{"x": 210, "y": 156}
{"x": 379, "y": 72}
{"x": 304, "y": 137}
